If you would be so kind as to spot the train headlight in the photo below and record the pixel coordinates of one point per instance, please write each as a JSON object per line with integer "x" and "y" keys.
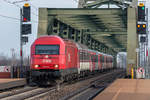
{"x": 56, "y": 66}
{"x": 36, "y": 66}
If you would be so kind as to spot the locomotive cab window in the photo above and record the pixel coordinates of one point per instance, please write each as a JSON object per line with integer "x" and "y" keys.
{"x": 47, "y": 49}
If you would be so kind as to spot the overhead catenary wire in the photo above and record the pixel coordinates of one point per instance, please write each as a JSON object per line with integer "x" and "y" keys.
{"x": 5, "y": 16}
{"x": 14, "y": 18}
{"x": 9, "y": 17}
{"x": 7, "y": 1}
{"x": 20, "y": 1}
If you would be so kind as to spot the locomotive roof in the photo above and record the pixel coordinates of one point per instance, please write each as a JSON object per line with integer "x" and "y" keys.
{"x": 51, "y": 36}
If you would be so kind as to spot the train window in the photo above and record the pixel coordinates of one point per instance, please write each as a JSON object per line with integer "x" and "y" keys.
{"x": 47, "y": 49}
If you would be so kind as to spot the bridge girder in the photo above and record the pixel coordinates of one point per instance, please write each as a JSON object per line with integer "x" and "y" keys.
{"x": 95, "y": 23}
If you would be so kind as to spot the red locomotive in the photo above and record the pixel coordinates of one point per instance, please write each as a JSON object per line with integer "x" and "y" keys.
{"x": 54, "y": 58}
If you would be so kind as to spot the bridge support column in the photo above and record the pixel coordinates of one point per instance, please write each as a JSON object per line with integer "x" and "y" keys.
{"x": 43, "y": 22}
{"x": 132, "y": 40}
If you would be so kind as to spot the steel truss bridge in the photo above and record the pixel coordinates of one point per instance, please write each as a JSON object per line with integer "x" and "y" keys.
{"x": 109, "y": 30}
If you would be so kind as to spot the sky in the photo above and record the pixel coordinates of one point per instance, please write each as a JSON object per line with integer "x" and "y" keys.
{"x": 10, "y": 28}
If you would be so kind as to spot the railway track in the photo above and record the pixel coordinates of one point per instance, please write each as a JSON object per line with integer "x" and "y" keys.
{"x": 72, "y": 91}
{"x": 15, "y": 91}
{"x": 95, "y": 87}
{"x": 24, "y": 93}
{"x": 84, "y": 89}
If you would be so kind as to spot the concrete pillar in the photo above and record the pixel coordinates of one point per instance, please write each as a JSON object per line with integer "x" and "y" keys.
{"x": 132, "y": 40}
{"x": 43, "y": 22}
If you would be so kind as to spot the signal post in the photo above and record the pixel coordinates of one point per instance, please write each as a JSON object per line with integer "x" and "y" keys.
{"x": 142, "y": 31}
{"x": 137, "y": 29}
{"x": 25, "y": 28}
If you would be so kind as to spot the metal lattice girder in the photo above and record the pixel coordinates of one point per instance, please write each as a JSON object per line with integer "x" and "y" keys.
{"x": 90, "y": 18}
{"x": 111, "y": 41}
{"x": 76, "y": 23}
{"x": 96, "y": 23}
{"x": 97, "y": 33}
{"x": 93, "y": 3}
{"x": 98, "y": 3}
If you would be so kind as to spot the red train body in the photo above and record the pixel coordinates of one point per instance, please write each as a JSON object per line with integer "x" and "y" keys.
{"x": 55, "y": 58}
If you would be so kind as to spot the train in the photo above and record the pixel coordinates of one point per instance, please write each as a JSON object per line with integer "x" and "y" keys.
{"x": 56, "y": 59}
